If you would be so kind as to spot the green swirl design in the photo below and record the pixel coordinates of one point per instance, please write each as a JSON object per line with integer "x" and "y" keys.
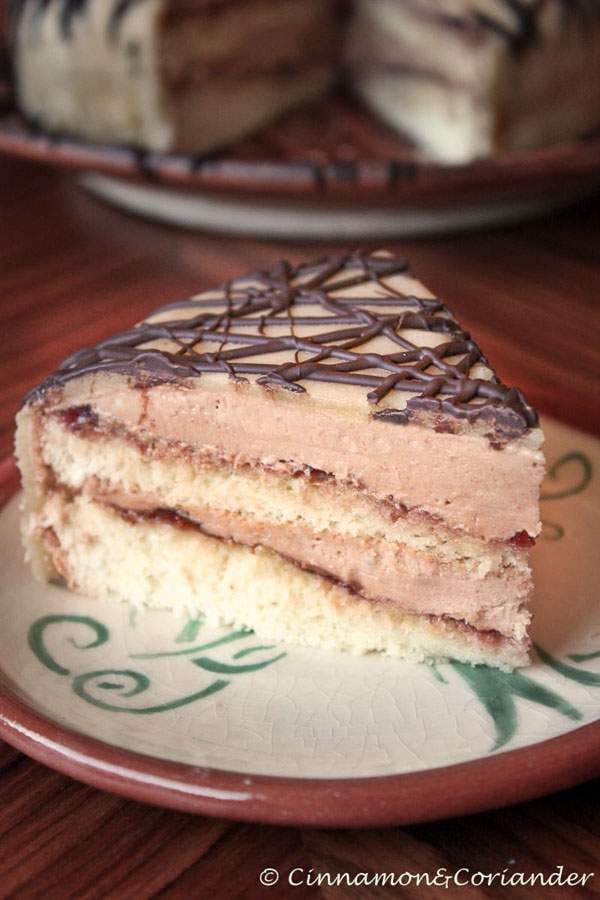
{"x": 190, "y": 630}
{"x": 37, "y": 632}
{"x": 582, "y": 478}
{"x": 139, "y": 684}
{"x": 221, "y": 668}
{"x": 552, "y": 531}
{"x": 100, "y": 687}
{"x": 233, "y": 636}
{"x": 246, "y": 650}
{"x": 584, "y": 657}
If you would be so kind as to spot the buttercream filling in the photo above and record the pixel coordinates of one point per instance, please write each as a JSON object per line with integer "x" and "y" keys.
{"x": 135, "y": 453}
{"x": 452, "y": 480}
{"x": 488, "y": 636}
{"x": 372, "y": 570}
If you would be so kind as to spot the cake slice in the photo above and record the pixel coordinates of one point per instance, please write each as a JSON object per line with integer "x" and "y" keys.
{"x": 318, "y": 452}
{"x": 168, "y": 75}
{"x": 467, "y": 78}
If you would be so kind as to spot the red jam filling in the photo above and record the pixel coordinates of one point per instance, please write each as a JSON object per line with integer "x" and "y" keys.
{"x": 76, "y": 417}
{"x": 522, "y": 539}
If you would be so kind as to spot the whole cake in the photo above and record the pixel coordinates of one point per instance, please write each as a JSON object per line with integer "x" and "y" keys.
{"x": 462, "y": 78}
{"x": 318, "y": 452}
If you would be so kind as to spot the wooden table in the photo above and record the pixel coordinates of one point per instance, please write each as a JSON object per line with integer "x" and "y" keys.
{"x": 71, "y": 271}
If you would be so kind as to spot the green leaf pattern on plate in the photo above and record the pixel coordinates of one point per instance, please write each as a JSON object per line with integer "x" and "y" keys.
{"x": 497, "y": 691}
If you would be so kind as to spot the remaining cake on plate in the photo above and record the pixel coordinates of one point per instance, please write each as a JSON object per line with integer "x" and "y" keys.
{"x": 169, "y": 75}
{"x": 317, "y": 452}
{"x": 462, "y": 78}
{"x": 468, "y": 78}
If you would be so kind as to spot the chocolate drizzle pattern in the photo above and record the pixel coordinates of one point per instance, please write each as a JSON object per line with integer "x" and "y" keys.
{"x": 336, "y": 349}
{"x": 523, "y": 29}
{"x": 519, "y": 33}
{"x": 70, "y": 9}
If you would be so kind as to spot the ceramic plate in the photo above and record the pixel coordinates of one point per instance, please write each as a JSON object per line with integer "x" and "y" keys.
{"x": 227, "y": 723}
{"x": 327, "y": 172}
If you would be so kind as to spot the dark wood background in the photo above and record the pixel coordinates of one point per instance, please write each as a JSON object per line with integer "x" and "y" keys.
{"x": 72, "y": 271}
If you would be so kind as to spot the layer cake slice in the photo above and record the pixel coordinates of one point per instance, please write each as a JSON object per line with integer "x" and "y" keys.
{"x": 318, "y": 452}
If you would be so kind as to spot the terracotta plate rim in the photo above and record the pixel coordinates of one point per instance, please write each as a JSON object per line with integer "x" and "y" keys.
{"x": 474, "y": 786}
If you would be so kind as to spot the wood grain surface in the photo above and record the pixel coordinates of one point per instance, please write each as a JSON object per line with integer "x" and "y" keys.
{"x": 72, "y": 271}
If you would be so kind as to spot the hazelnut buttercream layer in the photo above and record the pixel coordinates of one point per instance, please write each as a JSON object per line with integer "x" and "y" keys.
{"x": 334, "y": 414}
{"x": 466, "y": 483}
{"x": 103, "y": 552}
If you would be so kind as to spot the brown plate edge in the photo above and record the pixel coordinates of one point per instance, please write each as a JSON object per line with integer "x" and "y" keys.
{"x": 375, "y": 181}
{"x": 491, "y": 782}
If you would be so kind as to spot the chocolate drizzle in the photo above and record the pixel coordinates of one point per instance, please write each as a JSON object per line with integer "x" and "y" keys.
{"x": 520, "y": 29}
{"x": 225, "y": 334}
{"x": 70, "y": 9}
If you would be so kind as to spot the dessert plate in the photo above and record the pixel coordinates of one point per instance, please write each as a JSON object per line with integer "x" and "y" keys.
{"x": 331, "y": 172}
{"x": 225, "y": 723}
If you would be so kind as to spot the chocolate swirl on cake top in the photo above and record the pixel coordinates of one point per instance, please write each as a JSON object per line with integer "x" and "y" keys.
{"x": 334, "y": 346}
